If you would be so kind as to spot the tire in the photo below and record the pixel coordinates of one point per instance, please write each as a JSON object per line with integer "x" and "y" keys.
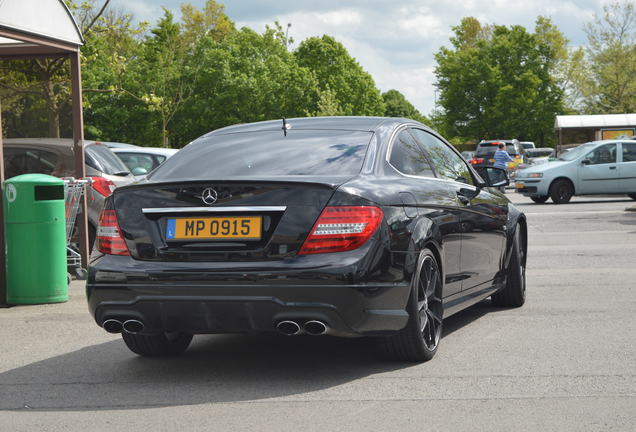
{"x": 561, "y": 191}
{"x": 514, "y": 293}
{"x": 418, "y": 341}
{"x": 539, "y": 199}
{"x": 632, "y": 196}
{"x": 160, "y": 345}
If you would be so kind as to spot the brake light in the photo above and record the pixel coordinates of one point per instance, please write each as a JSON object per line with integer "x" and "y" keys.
{"x": 476, "y": 161}
{"x": 102, "y": 185}
{"x": 109, "y": 239}
{"x": 340, "y": 229}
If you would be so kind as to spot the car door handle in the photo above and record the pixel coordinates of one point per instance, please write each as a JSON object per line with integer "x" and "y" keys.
{"x": 463, "y": 198}
{"x": 612, "y": 167}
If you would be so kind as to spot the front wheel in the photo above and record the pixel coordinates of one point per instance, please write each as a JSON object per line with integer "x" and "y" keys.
{"x": 539, "y": 199}
{"x": 159, "y": 345}
{"x": 418, "y": 341}
{"x": 561, "y": 191}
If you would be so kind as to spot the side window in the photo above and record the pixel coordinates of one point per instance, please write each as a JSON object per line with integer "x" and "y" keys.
{"x": 447, "y": 163}
{"x": 602, "y": 155}
{"x": 27, "y": 161}
{"x": 629, "y": 152}
{"x": 408, "y": 158}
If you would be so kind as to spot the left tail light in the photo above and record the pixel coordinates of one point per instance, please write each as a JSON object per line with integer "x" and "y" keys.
{"x": 341, "y": 228}
{"x": 102, "y": 185}
{"x": 109, "y": 238}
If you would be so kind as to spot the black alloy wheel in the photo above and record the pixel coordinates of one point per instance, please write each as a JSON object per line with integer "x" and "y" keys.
{"x": 418, "y": 341}
{"x": 157, "y": 345}
{"x": 539, "y": 199}
{"x": 514, "y": 293}
{"x": 632, "y": 196}
{"x": 561, "y": 191}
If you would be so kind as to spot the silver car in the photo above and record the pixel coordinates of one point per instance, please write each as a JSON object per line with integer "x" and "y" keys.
{"x": 599, "y": 167}
{"x": 54, "y": 156}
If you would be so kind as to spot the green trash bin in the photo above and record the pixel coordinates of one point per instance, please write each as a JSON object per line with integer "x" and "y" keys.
{"x": 35, "y": 236}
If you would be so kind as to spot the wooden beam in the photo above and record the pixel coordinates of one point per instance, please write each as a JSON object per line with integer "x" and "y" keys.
{"x": 78, "y": 151}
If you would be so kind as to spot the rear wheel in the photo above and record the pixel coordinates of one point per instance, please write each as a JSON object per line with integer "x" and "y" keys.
{"x": 418, "y": 341}
{"x": 539, "y": 199}
{"x": 514, "y": 293}
{"x": 561, "y": 191}
{"x": 632, "y": 196}
{"x": 159, "y": 345}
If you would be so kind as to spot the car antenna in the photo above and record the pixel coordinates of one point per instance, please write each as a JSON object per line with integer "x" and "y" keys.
{"x": 286, "y": 126}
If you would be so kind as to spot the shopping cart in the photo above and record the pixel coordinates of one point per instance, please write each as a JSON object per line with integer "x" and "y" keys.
{"x": 73, "y": 188}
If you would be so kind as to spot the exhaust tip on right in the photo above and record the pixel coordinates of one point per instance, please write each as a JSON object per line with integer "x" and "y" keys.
{"x": 315, "y": 328}
{"x": 112, "y": 326}
{"x": 289, "y": 328}
{"x": 133, "y": 326}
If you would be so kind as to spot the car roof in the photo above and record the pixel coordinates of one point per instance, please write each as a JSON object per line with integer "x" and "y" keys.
{"x": 366, "y": 124}
{"x": 146, "y": 150}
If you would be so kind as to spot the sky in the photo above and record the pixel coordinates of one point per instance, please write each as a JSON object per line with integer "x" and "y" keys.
{"x": 394, "y": 41}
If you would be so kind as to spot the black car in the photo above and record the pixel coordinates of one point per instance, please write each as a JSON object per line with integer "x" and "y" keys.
{"x": 347, "y": 226}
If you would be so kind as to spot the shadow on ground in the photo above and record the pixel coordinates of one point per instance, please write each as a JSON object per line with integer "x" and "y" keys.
{"x": 218, "y": 368}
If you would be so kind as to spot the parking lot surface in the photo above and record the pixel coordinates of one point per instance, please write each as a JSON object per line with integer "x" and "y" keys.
{"x": 566, "y": 361}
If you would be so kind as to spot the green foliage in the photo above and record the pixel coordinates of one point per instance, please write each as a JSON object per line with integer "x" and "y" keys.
{"x": 497, "y": 82}
{"x": 397, "y": 106}
{"x": 335, "y": 70}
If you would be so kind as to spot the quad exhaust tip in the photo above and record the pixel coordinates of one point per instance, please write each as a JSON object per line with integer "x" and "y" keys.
{"x": 289, "y": 328}
{"x": 112, "y": 326}
{"x": 133, "y": 326}
{"x": 315, "y": 328}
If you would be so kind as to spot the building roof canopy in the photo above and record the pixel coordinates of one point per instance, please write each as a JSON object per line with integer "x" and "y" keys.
{"x": 595, "y": 121}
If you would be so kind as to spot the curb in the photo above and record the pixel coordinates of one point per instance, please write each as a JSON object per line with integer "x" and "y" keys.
{"x": 631, "y": 209}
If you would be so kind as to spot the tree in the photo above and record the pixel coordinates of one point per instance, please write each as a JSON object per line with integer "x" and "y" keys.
{"x": 397, "y": 106}
{"x": 497, "y": 83}
{"x": 611, "y": 87}
{"x": 335, "y": 70}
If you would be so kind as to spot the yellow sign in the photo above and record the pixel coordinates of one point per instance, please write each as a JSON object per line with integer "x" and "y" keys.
{"x": 610, "y": 134}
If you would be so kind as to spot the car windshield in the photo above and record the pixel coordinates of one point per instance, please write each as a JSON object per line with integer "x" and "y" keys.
{"x": 100, "y": 157}
{"x": 576, "y": 152}
{"x": 539, "y": 153}
{"x": 489, "y": 149}
{"x": 267, "y": 153}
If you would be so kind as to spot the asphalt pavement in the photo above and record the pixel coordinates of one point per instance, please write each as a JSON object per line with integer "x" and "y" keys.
{"x": 566, "y": 361}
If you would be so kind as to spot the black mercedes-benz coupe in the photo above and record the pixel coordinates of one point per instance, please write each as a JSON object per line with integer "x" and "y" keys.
{"x": 343, "y": 226}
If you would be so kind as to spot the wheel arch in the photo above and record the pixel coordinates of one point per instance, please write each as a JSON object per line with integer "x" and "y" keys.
{"x": 568, "y": 179}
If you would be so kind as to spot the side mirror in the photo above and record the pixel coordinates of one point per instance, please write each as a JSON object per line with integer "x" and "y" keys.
{"x": 494, "y": 177}
{"x": 586, "y": 162}
{"x": 137, "y": 171}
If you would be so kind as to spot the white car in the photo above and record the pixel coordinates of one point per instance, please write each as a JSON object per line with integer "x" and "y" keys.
{"x": 599, "y": 167}
{"x": 141, "y": 160}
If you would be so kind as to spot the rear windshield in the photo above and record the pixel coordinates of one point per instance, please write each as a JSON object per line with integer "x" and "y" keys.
{"x": 265, "y": 153}
{"x": 100, "y": 157}
{"x": 488, "y": 149}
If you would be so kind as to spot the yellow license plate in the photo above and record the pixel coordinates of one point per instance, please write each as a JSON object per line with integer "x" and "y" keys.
{"x": 213, "y": 228}
{"x": 519, "y": 185}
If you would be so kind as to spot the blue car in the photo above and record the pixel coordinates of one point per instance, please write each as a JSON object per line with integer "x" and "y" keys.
{"x": 599, "y": 167}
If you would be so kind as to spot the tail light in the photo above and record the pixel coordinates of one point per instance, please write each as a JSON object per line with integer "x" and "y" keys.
{"x": 476, "y": 161}
{"x": 340, "y": 229}
{"x": 109, "y": 239}
{"x": 102, "y": 185}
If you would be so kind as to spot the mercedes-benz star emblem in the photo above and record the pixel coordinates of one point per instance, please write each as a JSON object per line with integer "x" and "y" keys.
{"x": 209, "y": 196}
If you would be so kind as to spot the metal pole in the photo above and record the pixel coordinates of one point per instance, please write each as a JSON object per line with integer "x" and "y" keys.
{"x": 78, "y": 151}
{"x": 3, "y": 280}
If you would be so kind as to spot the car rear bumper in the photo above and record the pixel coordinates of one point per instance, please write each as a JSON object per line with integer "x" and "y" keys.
{"x": 244, "y": 302}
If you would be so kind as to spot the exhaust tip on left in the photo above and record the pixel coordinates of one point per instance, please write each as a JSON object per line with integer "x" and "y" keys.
{"x": 112, "y": 326}
{"x": 289, "y": 328}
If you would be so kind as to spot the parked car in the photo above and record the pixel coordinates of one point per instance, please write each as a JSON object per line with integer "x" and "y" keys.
{"x": 599, "y": 167}
{"x": 538, "y": 156}
{"x": 54, "y": 156}
{"x": 484, "y": 154}
{"x": 527, "y": 145}
{"x": 351, "y": 226}
{"x": 142, "y": 160}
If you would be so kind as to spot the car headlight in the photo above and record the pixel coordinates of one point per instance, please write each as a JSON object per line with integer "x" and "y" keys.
{"x": 535, "y": 175}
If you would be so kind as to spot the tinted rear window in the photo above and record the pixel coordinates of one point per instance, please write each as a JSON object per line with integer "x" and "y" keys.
{"x": 100, "y": 157}
{"x": 488, "y": 149}
{"x": 258, "y": 154}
